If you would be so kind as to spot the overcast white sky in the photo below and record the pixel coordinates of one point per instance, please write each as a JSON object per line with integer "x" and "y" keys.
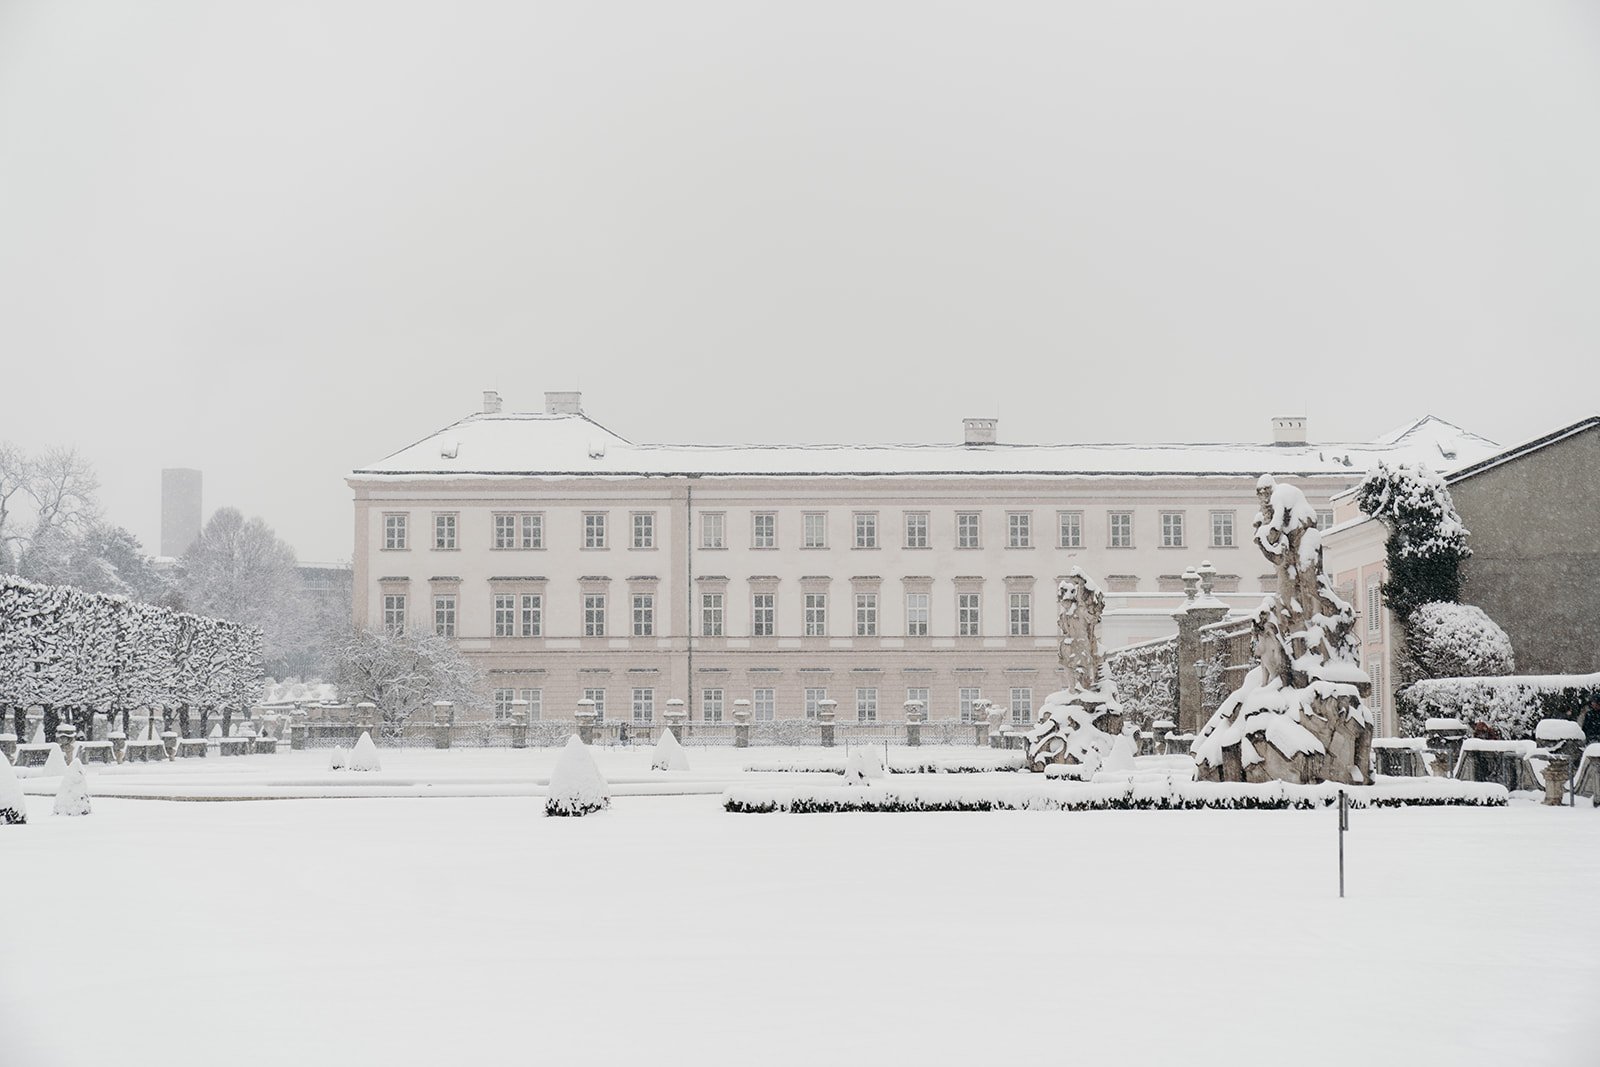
{"x": 279, "y": 240}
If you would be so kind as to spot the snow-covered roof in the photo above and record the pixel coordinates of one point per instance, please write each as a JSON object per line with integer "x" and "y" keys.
{"x": 575, "y": 445}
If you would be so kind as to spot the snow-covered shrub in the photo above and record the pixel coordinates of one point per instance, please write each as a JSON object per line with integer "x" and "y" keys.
{"x": 13, "y": 809}
{"x": 72, "y": 796}
{"x": 364, "y": 757}
{"x": 577, "y": 787}
{"x": 1427, "y": 540}
{"x": 1510, "y": 706}
{"x": 1445, "y": 640}
{"x": 338, "y": 759}
{"x": 403, "y": 673}
{"x": 863, "y": 763}
{"x": 55, "y": 764}
{"x": 1147, "y": 680}
{"x": 669, "y": 755}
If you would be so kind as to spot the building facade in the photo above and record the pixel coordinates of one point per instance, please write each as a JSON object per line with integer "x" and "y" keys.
{"x": 572, "y": 564}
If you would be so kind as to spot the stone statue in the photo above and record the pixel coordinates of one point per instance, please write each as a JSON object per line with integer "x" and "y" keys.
{"x": 1079, "y": 605}
{"x": 1299, "y": 716}
{"x": 1082, "y": 724}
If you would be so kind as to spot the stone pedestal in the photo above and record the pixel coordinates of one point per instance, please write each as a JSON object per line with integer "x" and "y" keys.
{"x": 519, "y": 724}
{"x": 826, "y": 709}
{"x": 915, "y": 713}
{"x": 1199, "y": 611}
{"x": 741, "y": 724}
{"x": 169, "y": 741}
{"x": 675, "y": 715}
{"x": 298, "y": 731}
{"x": 1556, "y": 773}
{"x": 367, "y": 716}
{"x": 119, "y": 745}
{"x": 586, "y": 718}
{"x": 67, "y": 738}
{"x": 1444, "y": 741}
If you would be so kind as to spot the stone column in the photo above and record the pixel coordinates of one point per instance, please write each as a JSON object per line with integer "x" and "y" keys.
{"x": 1445, "y": 737}
{"x": 1556, "y": 773}
{"x": 914, "y": 714}
{"x": 119, "y": 745}
{"x": 675, "y": 714}
{"x": 519, "y": 724}
{"x": 367, "y": 716}
{"x": 585, "y": 716}
{"x": 67, "y": 738}
{"x": 298, "y": 729}
{"x": 444, "y": 712}
{"x": 826, "y": 709}
{"x": 1198, "y": 611}
{"x": 997, "y": 717}
{"x": 741, "y": 724}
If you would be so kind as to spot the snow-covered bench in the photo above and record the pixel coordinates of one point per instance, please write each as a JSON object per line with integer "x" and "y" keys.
{"x": 94, "y": 751}
{"x": 1507, "y": 762}
{"x": 192, "y": 747}
{"x": 149, "y": 751}
{"x": 1400, "y": 757}
{"x": 266, "y": 744}
{"x": 33, "y": 755}
{"x": 233, "y": 746}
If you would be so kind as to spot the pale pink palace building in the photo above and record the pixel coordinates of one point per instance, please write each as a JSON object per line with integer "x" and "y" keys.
{"x": 573, "y": 563}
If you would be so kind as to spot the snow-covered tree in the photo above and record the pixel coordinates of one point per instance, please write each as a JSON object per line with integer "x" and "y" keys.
{"x": 402, "y": 673}
{"x": 576, "y": 786}
{"x": 239, "y": 570}
{"x": 1446, "y": 640}
{"x": 1427, "y": 539}
{"x": 72, "y": 797}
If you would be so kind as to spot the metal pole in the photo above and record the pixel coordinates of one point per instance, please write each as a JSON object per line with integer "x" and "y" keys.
{"x": 1344, "y": 822}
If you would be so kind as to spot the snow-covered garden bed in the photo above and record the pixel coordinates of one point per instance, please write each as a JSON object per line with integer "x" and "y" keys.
{"x": 975, "y": 761}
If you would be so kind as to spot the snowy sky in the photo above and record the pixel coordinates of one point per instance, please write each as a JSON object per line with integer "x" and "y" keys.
{"x": 276, "y": 241}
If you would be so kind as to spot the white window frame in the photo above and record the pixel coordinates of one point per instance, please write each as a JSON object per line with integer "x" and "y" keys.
{"x": 814, "y": 529}
{"x": 530, "y": 615}
{"x": 643, "y": 609}
{"x": 594, "y": 530}
{"x": 919, "y": 614}
{"x": 505, "y": 614}
{"x": 916, "y": 527}
{"x": 969, "y": 614}
{"x": 866, "y": 703}
{"x": 1119, "y": 529}
{"x": 1222, "y": 529}
{"x": 643, "y": 704}
{"x": 444, "y": 614}
{"x": 814, "y": 696}
{"x": 763, "y": 614}
{"x": 866, "y": 614}
{"x": 713, "y": 530}
{"x": 1069, "y": 529}
{"x": 713, "y": 614}
{"x": 446, "y": 530}
{"x": 919, "y": 693}
{"x": 594, "y": 614}
{"x": 1021, "y": 705}
{"x": 396, "y": 531}
{"x": 763, "y": 704}
{"x": 1172, "y": 529}
{"x": 712, "y": 704}
{"x": 535, "y": 699}
{"x": 1020, "y": 614}
{"x": 764, "y": 529}
{"x": 865, "y": 524}
{"x": 966, "y": 697}
{"x": 394, "y": 612}
{"x": 599, "y": 698}
{"x": 644, "y": 529}
{"x": 816, "y": 615}
{"x": 969, "y": 529}
{"x": 1019, "y": 529}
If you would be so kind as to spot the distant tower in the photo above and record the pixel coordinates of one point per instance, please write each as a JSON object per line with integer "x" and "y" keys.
{"x": 180, "y": 510}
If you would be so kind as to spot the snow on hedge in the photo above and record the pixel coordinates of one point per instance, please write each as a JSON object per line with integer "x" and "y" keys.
{"x": 669, "y": 755}
{"x": 1512, "y": 704}
{"x": 1445, "y": 640}
{"x": 977, "y": 762}
{"x": 577, "y": 787}
{"x": 72, "y": 797}
{"x": 13, "y": 809}
{"x": 1558, "y": 730}
{"x": 1164, "y": 793}
{"x": 364, "y": 757}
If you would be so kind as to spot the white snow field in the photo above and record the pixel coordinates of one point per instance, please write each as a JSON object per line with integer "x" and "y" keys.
{"x": 667, "y": 931}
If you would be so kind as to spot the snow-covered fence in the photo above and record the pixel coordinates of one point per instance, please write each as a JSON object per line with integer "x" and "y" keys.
{"x": 1147, "y": 679}
{"x": 1511, "y": 704}
{"x": 74, "y": 653}
{"x": 1227, "y": 655}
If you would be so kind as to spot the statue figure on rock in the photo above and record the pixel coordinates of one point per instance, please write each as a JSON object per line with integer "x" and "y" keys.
{"x": 1298, "y": 716}
{"x": 1081, "y": 725}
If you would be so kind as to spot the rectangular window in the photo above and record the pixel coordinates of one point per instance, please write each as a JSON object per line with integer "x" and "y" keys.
{"x": 644, "y": 615}
{"x": 710, "y": 614}
{"x": 1324, "y": 518}
{"x": 764, "y": 530}
{"x": 535, "y": 699}
{"x": 814, "y": 526}
{"x": 598, "y": 696}
{"x": 866, "y": 614}
{"x": 710, "y": 705}
{"x": 1021, "y": 614}
{"x": 644, "y": 529}
{"x": 713, "y": 529}
{"x": 763, "y": 615}
{"x": 966, "y": 697}
{"x": 920, "y": 695}
{"x": 502, "y": 703}
{"x": 1019, "y": 529}
{"x": 816, "y": 615}
{"x": 916, "y": 614}
{"x": 1069, "y": 529}
{"x": 531, "y": 608}
{"x": 967, "y": 614}
{"x": 394, "y": 612}
{"x": 968, "y": 524}
{"x": 1172, "y": 529}
{"x": 866, "y": 704}
{"x": 916, "y": 529}
{"x": 866, "y": 529}
{"x": 444, "y": 531}
{"x": 644, "y": 705}
{"x": 594, "y": 529}
{"x": 444, "y": 615}
{"x": 505, "y": 615}
{"x": 594, "y": 614}
{"x": 1222, "y": 529}
{"x": 1022, "y": 707}
{"x": 814, "y": 699}
{"x": 764, "y": 704}
{"x": 394, "y": 532}
{"x": 518, "y": 531}
{"x": 1374, "y": 607}
{"x": 1119, "y": 525}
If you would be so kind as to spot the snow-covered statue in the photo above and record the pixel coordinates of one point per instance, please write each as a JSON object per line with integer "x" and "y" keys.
{"x": 1082, "y": 724}
{"x": 1299, "y": 716}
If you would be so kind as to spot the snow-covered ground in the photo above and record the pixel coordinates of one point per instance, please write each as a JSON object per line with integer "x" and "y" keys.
{"x": 450, "y": 930}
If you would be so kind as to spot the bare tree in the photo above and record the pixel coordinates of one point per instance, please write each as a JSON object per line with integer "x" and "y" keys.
{"x": 239, "y": 570}
{"x": 55, "y": 489}
{"x": 402, "y": 673}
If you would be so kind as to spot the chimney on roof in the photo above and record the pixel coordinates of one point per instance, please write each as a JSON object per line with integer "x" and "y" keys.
{"x": 563, "y": 403}
{"x": 491, "y": 402}
{"x": 980, "y": 431}
{"x": 1289, "y": 430}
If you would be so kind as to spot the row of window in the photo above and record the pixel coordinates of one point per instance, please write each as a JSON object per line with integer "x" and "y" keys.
{"x": 525, "y": 530}
{"x": 522, "y": 614}
{"x": 714, "y": 705}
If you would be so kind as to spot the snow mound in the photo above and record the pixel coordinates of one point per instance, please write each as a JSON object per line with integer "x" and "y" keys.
{"x": 72, "y": 798}
{"x": 577, "y": 787}
{"x": 13, "y": 809}
{"x": 338, "y": 759}
{"x": 669, "y": 755}
{"x": 1558, "y": 730}
{"x": 55, "y": 764}
{"x": 1120, "y": 758}
{"x": 862, "y": 764}
{"x": 38, "y": 734}
{"x": 1446, "y": 640}
{"x": 364, "y": 757}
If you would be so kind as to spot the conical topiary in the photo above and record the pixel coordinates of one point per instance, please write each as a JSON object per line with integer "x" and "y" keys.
{"x": 72, "y": 798}
{"x": 13, "y": 808}
{"x": 365, "y": 755}
{"x": 669, "y": 755}
{"x": 577, "y": 787}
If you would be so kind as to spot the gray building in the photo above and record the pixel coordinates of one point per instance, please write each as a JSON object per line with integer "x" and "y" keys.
{"x": 180, "y": 510}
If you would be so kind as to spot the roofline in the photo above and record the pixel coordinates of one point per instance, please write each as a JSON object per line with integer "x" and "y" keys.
{"x": 1252, "y": 472}
{"x": 1524, "y": 449}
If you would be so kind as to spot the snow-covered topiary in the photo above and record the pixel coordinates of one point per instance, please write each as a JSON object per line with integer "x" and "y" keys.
{"x": 55, "y": 764}
{"x": 669, "y": 755}
{"x": 577, "y": 787}
{"x": 1427, "y": 539}
{"x": 72, "y": 797}
{"x": 364, "y": 757}
{"x": 1445, "y": 640}
{"x": 338, "y": 759}
{"x": 862, "y": 764}
{"x": 13, "y": 809}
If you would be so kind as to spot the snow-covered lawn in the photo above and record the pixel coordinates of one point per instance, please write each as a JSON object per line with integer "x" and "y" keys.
{"x": 475, "y": 930}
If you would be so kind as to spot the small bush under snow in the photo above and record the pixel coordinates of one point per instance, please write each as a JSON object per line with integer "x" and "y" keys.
{"x": 364, "y": 757}
{"x": 669, "y": 755}
{"x": 13, "y": 809}
{"x": 72, "y": 797}
{"x": 1455, "y": 641}
{"x": 577, "y": 787}
{"x": 338, "y": 759}
{"x": 863, "y": 763}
